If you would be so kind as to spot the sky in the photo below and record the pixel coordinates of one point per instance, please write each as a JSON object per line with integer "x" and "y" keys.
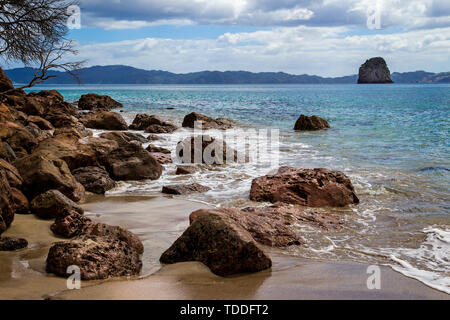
{"x": 322, "y": 37}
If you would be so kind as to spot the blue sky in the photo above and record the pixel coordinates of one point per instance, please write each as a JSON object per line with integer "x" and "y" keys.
{"x": 323, "y": 37}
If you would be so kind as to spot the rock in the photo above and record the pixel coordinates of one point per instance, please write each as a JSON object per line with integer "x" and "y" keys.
{"x": 104, "y": 120}
{"x": 311, "y": 123}
{"x": 152, "y": 148}
{"x": 5, "y": 113}
{"x": 132, "y": 162}
{"x": 12, "y": 244}
{"x": 69, "y": 225}
{"x": 53, "y": 204}
{"x": 207, "y": 122}
{"x": 60, "y": 120}
{"x": 69, "y": 148}
{"x": 5, "y": 83}
{"x": 102, "y": 147}
{"x": 185, "y": 170}
{"x": 20, "y": 202}
{"x": 95, "y": 102}
{"x": 51, "y": 95}
{"x": 270, "y": 228}
{"x": 143, "y": 121}
{"x": 40, "y": 122}
{"x": 154, "y": 137}
{"x": 41, "y": 173}
{"x": 220, "y": 243}
{"x": 17, "y": 136}
{"x": 6, "y": 152}
{"x": 94, "y": 179}
{"x": 162, "y": 158}
{"x": 183, "y": 189}
{"x": 206, "y": 149}
{"x": 39, "y": 134}
{"x": 12, "y": 174}
{"x": 155, "y": 128}
{"x": 97, "y": 257}
{"x": 374, "y": 70}
{"x": 123, "y": 138}
{"x": 306, "y": 187}
{"x": 6, "y": 203}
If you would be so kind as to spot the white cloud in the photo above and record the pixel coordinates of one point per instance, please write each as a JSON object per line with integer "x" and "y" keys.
{"x": 325, "y": 51}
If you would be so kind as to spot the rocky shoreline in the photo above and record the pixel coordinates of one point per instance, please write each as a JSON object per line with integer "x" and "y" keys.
{"x": 49, "y": 159}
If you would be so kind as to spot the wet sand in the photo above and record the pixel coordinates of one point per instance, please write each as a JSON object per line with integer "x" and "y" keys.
{"x": 158, "y": 221}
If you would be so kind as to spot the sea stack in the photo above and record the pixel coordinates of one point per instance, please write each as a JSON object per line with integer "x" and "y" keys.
{"x": 374, "y": 70}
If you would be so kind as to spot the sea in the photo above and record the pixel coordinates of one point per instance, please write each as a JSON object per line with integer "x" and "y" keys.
{"x": 391, "y": 140}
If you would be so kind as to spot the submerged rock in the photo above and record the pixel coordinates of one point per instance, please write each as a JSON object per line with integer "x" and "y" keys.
{"x": 207, "y": 122}
{"x": 95, "y": 102}
{"x": 311, "y": 123}
{"x": 220, "y": 243}
{"x": 151, "y": 148}
{"x": 374, "y": 70}
{"x": 306, "y": 187}
{"x": 185, "y": 170}
{"x": 182, "y": 189}
{"x": 12, "y": 244}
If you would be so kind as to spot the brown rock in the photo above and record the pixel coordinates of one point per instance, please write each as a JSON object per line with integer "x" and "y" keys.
{"x": 185, "y": 170}
{"x": 5, "y": 83}
{"x": 312, "y": 123}
{"x": 104, "y": 120}
{"x": 53, "y": 204}
{"x": 152, "y": 148}
{"x": 154, "y": 137}
{"x": 69, "y": 225}
{"x": 40, "y": 122}
{"x": 206, "y": 149}
{"x": 306, "y": 187}
{"x": 95, "y": 102}
{"x": 17, "y": 136}
{"x": 12, "y": 244}
{"x": 6, "y": 152}
{"x": 94, "y": 179}
{"x": 220, "y": 243}
{"x": 162, "y": 158}
{"x": 102, "y": 147}
{"x": 143, "y": 121}
{"x": 167, "y": 127}
{"x": 132, "y": 162}
{"x": 207, "y": 122}
{"x": 20, "y": 202}
{"x": 97, "y": 257}
{"x": 5, "y": 113}
{"x": 123, "y": 138}
{"x": 12, "y": 174}
{"x": 183, "y": 189}
{"x": 41, "y": 173}
{"x": 6, "y": 203}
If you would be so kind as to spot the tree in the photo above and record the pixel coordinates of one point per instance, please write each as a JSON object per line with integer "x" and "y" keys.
{"x": 34, "y": 32}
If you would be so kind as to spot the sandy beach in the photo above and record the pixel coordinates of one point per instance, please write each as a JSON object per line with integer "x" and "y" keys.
{"x": 22, "y": 273}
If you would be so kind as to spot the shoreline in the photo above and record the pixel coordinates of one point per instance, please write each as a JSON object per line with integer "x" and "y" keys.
{"x": 289, "y": 278}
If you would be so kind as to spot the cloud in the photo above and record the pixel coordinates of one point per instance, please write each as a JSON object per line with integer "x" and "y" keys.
{"x": 406, "y": 13}
{"x": 327, "y": 51}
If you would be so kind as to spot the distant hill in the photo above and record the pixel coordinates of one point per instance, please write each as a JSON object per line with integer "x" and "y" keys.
{"x": 129, "y": 75}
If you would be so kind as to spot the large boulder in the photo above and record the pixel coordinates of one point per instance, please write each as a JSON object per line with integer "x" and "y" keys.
{"x": 143, "y": 121}
{"x": 271, "y": 227}
{"x": 98, "y": 257}
{"x": 208, "y": 150}
{"x": 21, "y": 204}
{"x": 5, "y": 113}
{"x": 102, "y": 147}
{"x": 183, "y": 189}
{"x": 132, "y": 162}
{"x": 41, "y": 173}
{"x": 12, "y": 174}
{"x": 220, "y": 243}
{"x": 311, "y": 123}
{"x": 17, "y": 136}
{"x": 104, "y": 120}
{"x": 69, "y": 148}
{"x": 94, "y": 179}
{"x": 306, "y": 187}
{"x": 53, "y": 204}
{"x": 5, "y": 83}
{"x": 206, "y": 122}
{"x": 40, "y": 122}
{"x": 374, "y": 70}
{"x": 95, "y": 102}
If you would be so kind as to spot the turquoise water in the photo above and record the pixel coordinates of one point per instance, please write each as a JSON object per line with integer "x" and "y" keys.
{"x": 392, "y": 140}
